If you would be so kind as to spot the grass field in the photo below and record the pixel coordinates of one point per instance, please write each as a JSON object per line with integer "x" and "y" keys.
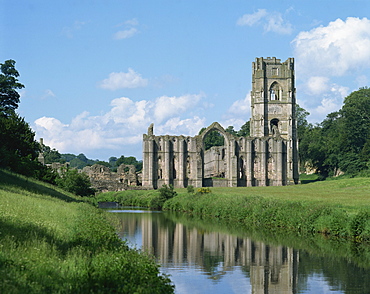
{"x": 351, "y": 194}
{"x": 54, "y": 242}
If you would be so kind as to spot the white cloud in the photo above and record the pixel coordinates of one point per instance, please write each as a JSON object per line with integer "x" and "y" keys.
{"x": 271, "y": 21}
{"x": 241, "y": 107}
{"x": 120, "y": 80}
{"x": 275, "y": 23}
{"x": 238, "y": 113}
{"x": 123, "y": 125}
{"x": 124, "y": 34}
{"x": 132, "y": 22}
{"x": 129, "y": 31}
{"x": 327, "y": 98}
{"x": 317, "y": 85}
{"x": 251, "y": 19}
{"x": 336, "y": 49}
{"x": 168, "y": 106}
{"x": 323, "y": 55}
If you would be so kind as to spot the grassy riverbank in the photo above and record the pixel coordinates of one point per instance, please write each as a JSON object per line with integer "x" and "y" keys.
{"x": 53, "y": 242}
{"x": 333, "y": 207}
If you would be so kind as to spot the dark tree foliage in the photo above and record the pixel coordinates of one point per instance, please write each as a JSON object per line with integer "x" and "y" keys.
{"x": 18, "y": 147}
{"x": 51, "y": 155}
{"x": 9, "y": 97}
{"x": 104, "y": 163}
{"x": 342, "y": 141}
{"x": 230, "y": 130}
{"x": 112, "y": 161}
{"x": 244, "y": 130}
{"x": 131, "y": 160}
{"x": 213, "y": 138}
{"x": 73, "y": 181}
{"x": 79, "y": 161}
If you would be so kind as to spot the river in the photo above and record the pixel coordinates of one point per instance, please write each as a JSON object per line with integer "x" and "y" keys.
{"x": 208, "y": 256}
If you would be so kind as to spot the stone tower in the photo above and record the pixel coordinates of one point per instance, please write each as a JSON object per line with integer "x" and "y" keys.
{"x": 273, "y": 106}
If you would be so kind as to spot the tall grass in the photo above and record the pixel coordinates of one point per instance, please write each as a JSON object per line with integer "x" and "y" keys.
{"x": 337, "y": 208}
{"x": 53, "y": 242}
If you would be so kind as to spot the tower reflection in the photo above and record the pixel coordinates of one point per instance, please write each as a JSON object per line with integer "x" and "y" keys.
{"x": 271, "y": 269}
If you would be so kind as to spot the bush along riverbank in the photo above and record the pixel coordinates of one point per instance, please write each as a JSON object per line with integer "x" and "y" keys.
{"x": 53, "y": 242}
{"x": 334, "y": 208}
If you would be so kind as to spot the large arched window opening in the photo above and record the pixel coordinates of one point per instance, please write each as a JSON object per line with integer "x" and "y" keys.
{"x": 214, "y": 155}
{"x": 275, "y": 91}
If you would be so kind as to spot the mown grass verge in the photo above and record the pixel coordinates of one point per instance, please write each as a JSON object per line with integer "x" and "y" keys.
{"x": 54, "y": 242}
{"x": 336, "y": 208}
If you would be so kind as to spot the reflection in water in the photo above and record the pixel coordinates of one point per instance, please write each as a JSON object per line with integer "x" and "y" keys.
{"x": 208, "y": 261}
{"x": 271, "y": 269}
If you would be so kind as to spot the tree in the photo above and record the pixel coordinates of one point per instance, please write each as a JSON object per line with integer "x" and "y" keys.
{"x": 17, "y": 143}
{"x": 73, "y": 181}
{"x": 9, "y": 97}
{"x": 244, "y": 130}
{"x": 356, "y": 115}
{"x": 213, "y": 138}
{"x": 131, "y": 160}
{"x": 302, "y": 123}
{"x": 230, "y": 129}
{"x": 51, "y": 155}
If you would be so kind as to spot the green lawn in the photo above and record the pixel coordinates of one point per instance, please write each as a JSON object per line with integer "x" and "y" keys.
{"x": 351, "y": 194}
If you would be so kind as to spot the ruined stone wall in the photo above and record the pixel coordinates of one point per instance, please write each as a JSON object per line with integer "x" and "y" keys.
{"x": 103, "y": 179}
{"x": 244, "y": 161}
{"x": 268, "y": 158}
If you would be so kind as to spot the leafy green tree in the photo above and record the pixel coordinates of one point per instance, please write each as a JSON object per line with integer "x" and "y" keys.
{"x": 131, "y": 160}
{"x": 213, "y": 138}
{"x": 9, "y": 97}
{"x": 112, "y": 161}
{"x": 104, "y": 163}
{"x": 73, "y": 181}
{"x": 77, "y": 163}
{"x": 302, "y": 122}
{"x": 356, "y": 115}
{"x": 68, "y": 157}
{"x": 244, "y": 130}
{"x": 51, "y": 155}
{"x": 230, "y": 129}
{"x": 80, "y": 161}
{"x": 18, "y": 145}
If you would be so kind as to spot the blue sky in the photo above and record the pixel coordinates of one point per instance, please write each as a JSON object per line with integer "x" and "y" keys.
{"x": 97, "y": 73}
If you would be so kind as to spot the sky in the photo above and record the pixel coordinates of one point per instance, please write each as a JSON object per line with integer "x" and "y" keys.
{"x": 97, "y": 73}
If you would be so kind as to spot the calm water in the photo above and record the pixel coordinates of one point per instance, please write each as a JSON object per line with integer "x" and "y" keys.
{"x": 203, "y": 257}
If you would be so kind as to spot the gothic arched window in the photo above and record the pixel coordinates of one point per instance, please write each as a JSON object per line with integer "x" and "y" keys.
{"x": 275, "y": 91}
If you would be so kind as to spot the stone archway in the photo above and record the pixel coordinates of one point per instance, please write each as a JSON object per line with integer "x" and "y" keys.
{"x": 215, "y": 161}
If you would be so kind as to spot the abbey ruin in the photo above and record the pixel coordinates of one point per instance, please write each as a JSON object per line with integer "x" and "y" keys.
{"x": 268, "y": 157}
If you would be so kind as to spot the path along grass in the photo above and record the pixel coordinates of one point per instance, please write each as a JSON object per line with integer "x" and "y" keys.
{"x": 54, "y": 242}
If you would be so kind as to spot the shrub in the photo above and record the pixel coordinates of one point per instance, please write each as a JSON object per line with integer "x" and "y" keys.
{"x": 167, "y": 192}
{"x": 75, "y": 182}
{"x": 190, "y": 189}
